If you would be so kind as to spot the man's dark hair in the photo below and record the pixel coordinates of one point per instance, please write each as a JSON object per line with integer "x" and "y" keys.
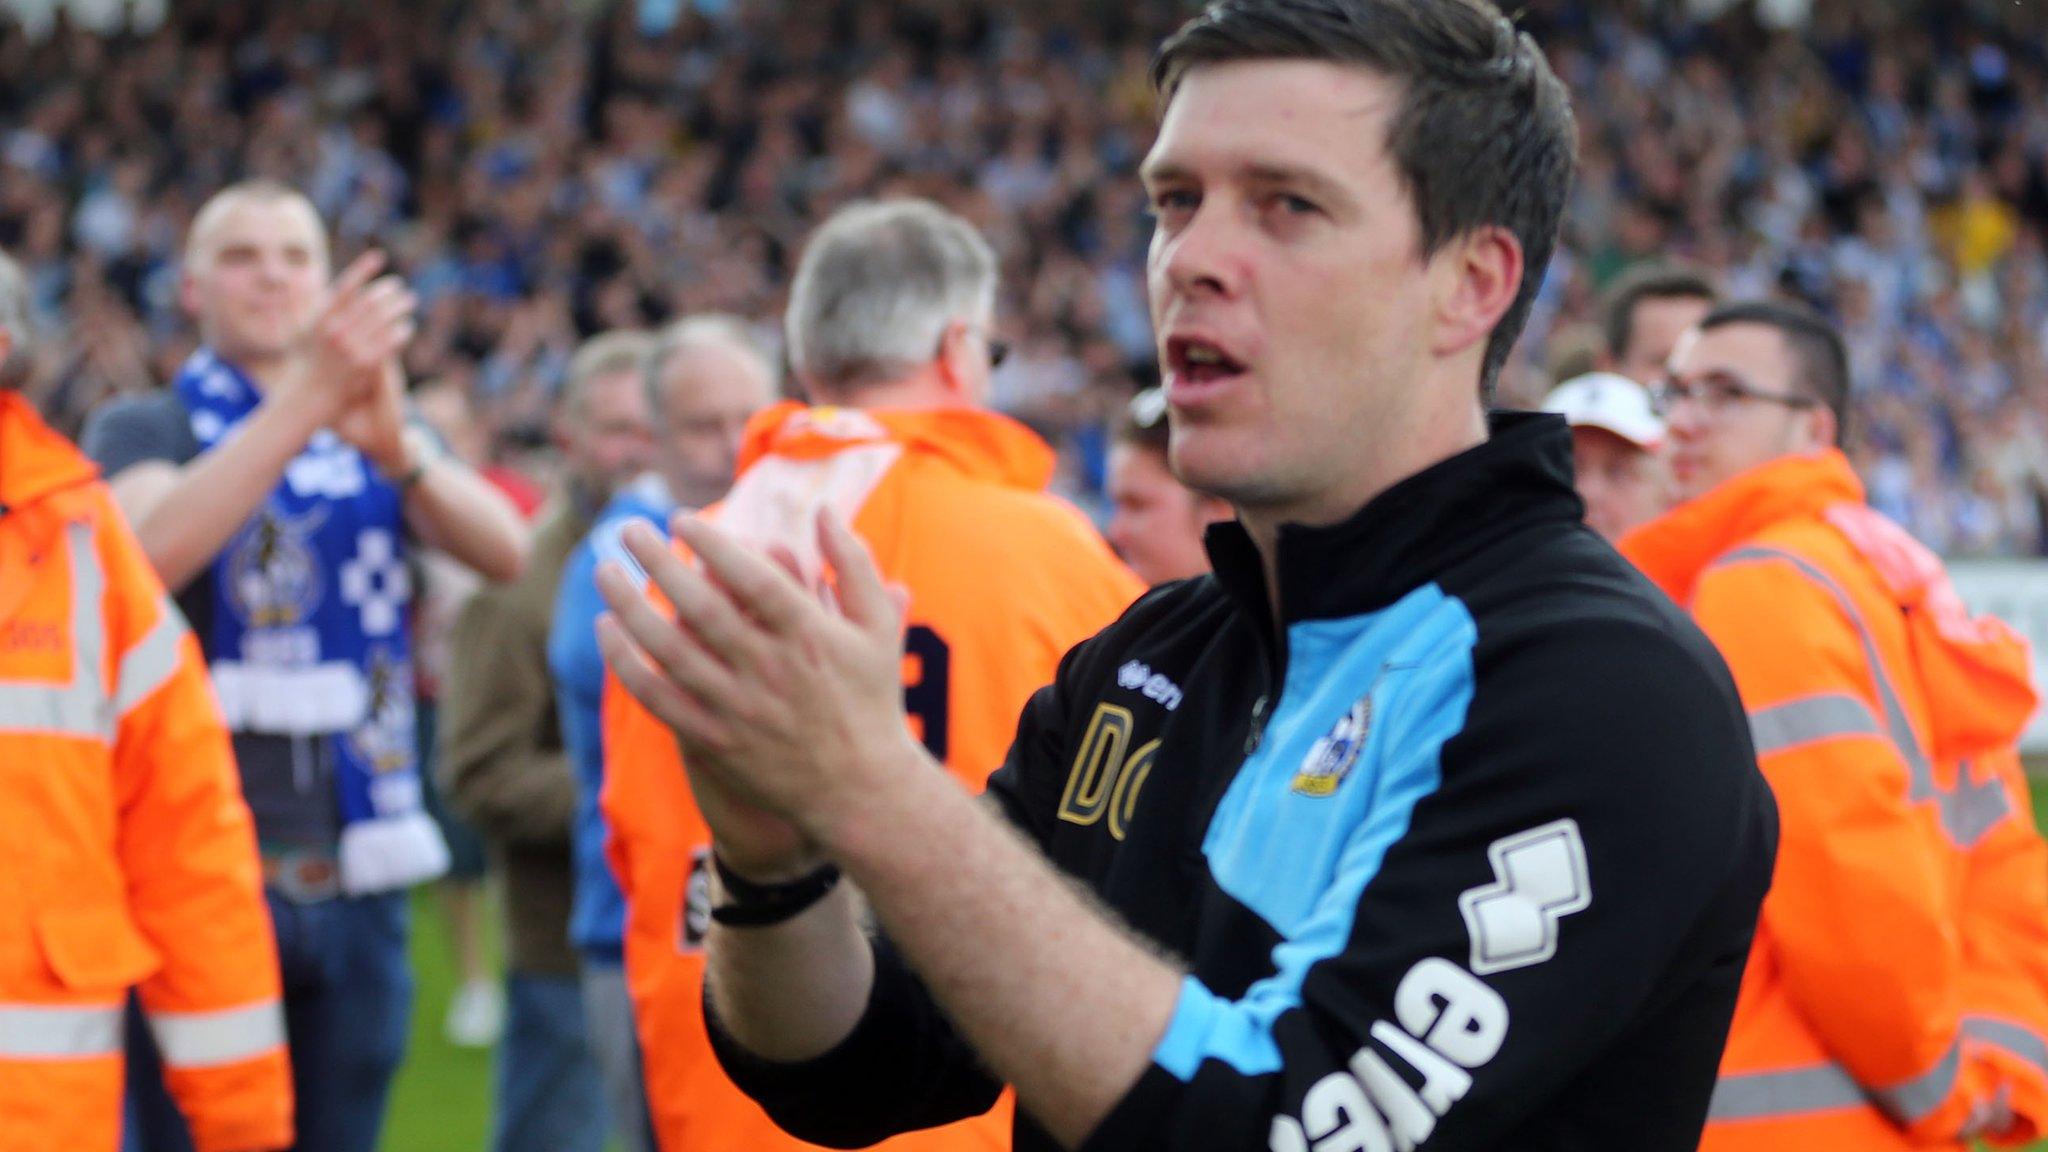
{"x": 1819, "y": 359}
{"x": 1484, "y": 133}
{"x": 1664, "y": 281}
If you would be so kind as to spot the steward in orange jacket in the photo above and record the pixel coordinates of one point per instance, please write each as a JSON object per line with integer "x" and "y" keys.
{"x": 1003, "y": 579}
{"x": 1895, "y": 993}
{"x": 127, "y": 856}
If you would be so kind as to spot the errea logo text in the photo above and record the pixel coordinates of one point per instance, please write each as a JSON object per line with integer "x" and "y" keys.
{"x": 1137, "y": 676}
{"x": 1450, "y": 1023}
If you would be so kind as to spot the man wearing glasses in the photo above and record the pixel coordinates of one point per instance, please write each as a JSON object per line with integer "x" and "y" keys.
{"x": 1894, "y": 996}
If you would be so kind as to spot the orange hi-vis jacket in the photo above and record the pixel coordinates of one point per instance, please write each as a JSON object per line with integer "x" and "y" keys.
{"x": 1897, "y": 990}
{"x": 1003, "y": 579}
{"x": 127, "y": 856}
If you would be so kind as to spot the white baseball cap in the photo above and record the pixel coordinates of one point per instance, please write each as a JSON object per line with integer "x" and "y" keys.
{"x": 1610, "y": 402}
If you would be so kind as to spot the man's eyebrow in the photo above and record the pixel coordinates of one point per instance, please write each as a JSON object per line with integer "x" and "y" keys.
{"x": 1159, "y": 171}
{"x": 1298, "y": 175}
{"x": 1260, "y": 172}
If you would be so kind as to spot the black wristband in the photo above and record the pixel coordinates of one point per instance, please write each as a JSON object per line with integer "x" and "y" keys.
{"x": 751, "y": 905}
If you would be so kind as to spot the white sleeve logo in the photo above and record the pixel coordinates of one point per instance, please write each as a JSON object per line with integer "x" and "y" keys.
{"x": 1539, "y": 878}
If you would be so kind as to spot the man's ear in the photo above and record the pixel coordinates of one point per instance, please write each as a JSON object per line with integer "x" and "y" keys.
{"x": 1481, "y": 273}
{"x": 188, "y": 295}
{"x": 1821, "y": 428}
{"x": 559, "y": 432}
{"x": 954, "y": 348}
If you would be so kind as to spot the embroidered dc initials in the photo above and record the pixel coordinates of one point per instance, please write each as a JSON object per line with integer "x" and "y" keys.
{"x": 1539, "y": 878}
{"x": 1103, "y": 780}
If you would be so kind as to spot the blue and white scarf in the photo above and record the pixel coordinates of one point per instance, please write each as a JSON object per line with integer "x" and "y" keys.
{"x": 310, "y": 632}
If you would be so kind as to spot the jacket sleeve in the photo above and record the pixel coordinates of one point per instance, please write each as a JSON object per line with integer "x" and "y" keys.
{"x": 2005, "y": 943}
{"x": 188, "y": 848}
{"x": 501, "y": 769}
{"x": 1539, "y": 863}
{"x": 1866, "y": 923}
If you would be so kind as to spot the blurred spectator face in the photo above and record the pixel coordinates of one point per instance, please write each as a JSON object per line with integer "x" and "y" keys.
{"x": 256, "y": 269}
{"x": 1267, "y": 246}
{"x": 1732, "y": 403}
{"x": 1158, "y": 522}
{"x": 1617, "y": 444}
{"x": 605, "y": 433}
{"x": 1653, "y": 331}
{"x": 1623, "y": 485}
{"x": 708, "y": 392}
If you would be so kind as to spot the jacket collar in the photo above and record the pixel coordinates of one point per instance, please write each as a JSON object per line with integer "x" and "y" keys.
{"x": 34, "y": 460}
{"x": 982, "y": 444}
{"x": 1675, "y": 548}
{"x": 1411, "y": 533}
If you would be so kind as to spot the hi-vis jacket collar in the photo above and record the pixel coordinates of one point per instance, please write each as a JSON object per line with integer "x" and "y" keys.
{"x": 1977, "y": 670}
{"x": 982, "y": 444}
{"x": 1675, "y": 548}
{"x": 31, "y": 466}
{"x": 1406, "y": 536}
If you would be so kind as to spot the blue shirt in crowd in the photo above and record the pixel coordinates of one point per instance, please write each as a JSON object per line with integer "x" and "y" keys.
{"x": 597, "y": 919}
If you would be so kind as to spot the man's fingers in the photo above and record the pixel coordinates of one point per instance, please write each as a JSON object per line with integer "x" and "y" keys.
{"x": 785, "y": 558}
{"x": 389, "y": 299}
{"x": 755, "y": 583}
{"x": 680, "y": 659}
{"x": 701, "y": 609}
{"x": 359, "y": 272}
{"x": 382, "y": 307}
{"x": 863, "y": 596}
{"x": 375, "y": 323}
{"x": 692, "y": 722}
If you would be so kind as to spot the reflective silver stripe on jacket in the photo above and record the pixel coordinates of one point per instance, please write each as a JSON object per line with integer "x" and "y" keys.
{"x": 205, "y": 1039}
{"x": 1793, "y": 1092}
{"x": 85, "y": 707}
{"x": 2011, "y": 1036}
{"x": 1967, "y": 812}
{"x": 151, "y": 663}
{"x": 1912, "y": 1101}
{"x": 1809, "y": 720}
{"x": 79, "y": 708}
{"x": 70, "y": 1032}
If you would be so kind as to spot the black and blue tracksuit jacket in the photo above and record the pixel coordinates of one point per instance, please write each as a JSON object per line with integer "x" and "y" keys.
{"x": 1466, "y": 854}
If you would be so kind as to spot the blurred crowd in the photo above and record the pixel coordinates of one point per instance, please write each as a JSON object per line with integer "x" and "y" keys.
{"x": 544, "y": 169}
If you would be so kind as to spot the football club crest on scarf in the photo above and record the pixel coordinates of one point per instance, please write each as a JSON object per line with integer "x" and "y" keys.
{"x": 1331, "y": 758}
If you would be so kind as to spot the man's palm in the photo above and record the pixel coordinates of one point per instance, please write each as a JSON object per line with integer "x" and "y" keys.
{"x": 375, "y": 424}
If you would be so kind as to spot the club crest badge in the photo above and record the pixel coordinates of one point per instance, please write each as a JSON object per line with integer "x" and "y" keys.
{"x": 1332, "y": 757}
{"x": 274, "y": 577}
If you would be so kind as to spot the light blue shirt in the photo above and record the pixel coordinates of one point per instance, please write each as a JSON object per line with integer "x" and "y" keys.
{"x": 597, "y": 919}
